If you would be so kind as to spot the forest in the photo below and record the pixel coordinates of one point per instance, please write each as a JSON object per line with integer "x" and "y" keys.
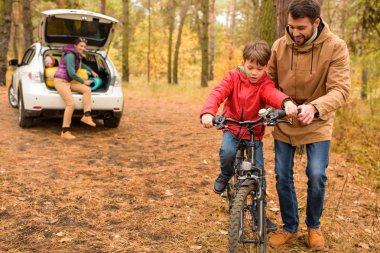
{"x": 188, "y": 46}
{"x": 196, "y": 42}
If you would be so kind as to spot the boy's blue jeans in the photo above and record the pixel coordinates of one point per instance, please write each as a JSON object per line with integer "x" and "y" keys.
{"x": 228, "y": 152}
{"x": 317, "y": 161}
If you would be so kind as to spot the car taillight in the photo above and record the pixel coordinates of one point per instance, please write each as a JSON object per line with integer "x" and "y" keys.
{"x": 35, "y": 76}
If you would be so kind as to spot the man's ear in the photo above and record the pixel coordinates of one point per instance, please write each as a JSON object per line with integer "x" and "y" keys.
{"x": 317, "y": 22}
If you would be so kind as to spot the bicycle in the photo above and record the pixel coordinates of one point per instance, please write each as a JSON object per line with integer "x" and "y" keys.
{"x": 245, "y": 191}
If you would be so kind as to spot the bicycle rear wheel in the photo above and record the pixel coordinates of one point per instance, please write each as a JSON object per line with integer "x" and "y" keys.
{"x": 245, "y": 233}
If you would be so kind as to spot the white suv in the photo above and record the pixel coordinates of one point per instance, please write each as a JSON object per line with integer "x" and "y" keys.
{"x": 30, "y": 90}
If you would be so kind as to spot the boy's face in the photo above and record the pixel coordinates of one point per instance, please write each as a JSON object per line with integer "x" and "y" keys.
{"x": 253, "y": 70}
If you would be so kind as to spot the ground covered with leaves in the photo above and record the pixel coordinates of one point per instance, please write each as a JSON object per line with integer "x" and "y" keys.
{"x": 147, "y": 185}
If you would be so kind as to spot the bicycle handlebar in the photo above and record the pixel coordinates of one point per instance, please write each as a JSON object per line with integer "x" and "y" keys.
{"x": 268, "y": 117}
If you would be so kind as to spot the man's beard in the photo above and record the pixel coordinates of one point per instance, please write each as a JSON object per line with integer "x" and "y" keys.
{"x": 305, "y": 39}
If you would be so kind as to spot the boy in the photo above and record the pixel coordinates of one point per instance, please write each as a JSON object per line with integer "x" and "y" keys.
{"x": 247, "y": 90}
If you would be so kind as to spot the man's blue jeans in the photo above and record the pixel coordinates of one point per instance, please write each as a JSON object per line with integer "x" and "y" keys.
{"x": 317, "y": 161}
{"x": 228, "y": 151}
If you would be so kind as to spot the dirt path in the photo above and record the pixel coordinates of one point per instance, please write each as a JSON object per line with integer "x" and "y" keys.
{"x": 147, "y": 186}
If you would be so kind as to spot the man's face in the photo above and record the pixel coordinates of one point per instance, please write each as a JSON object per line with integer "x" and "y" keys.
{"x": 301, "y": 29}
{"x": 253, "y": 70}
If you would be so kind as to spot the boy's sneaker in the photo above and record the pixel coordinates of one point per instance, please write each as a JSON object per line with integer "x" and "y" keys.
{"x": 220, "y": 184}
{"x": 271, "y": 226}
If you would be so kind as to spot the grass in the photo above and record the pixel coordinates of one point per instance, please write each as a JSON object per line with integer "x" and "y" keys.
{"x": 357, "y": 136}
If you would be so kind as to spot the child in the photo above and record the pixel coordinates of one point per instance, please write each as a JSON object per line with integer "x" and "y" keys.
{"x": 247, "y": 90}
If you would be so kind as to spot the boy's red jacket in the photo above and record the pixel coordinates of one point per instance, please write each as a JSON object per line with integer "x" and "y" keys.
{"x": 244, "y": 100}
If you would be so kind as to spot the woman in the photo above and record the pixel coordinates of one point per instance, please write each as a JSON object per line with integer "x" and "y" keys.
{"x": 67, "y": 80}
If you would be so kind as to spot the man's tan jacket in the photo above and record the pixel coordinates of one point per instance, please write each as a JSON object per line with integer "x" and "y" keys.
{"x": 317, "y": 74}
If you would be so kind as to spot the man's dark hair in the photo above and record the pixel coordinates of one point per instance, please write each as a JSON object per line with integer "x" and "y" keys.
{"x": 305, "y": 8}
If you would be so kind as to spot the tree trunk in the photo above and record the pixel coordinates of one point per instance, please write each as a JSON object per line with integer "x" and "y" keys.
{"x": 126, "y": 40}
{"x": 149, "y": 39}
{"x": 103, "y": 6}
{"x": 15, "y": 36}
{"x": 233, "y": 18}
{"x": 28, "y": 26}
{"x": 281, "y": 16}
{"x": 267, "y": 21}
{"x": 5, "y": 36}
{"x": 204, "y": 42}
{"x": 170, "y": 42}
{"x": 364, "y": 88}
{"x": 183, "y": 15}
{"x": 212, "y": 44}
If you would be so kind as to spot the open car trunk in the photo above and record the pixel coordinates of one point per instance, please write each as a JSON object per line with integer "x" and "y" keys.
{"x": 93, "y": 60}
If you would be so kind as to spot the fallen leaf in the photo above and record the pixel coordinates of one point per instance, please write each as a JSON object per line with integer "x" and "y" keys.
{"x": 364, "y": 245}
{"x": 60, "y": 234}
{"x": 53, "y": 221}
{"x": 274, "y": 209}
{"x": 205, "y": 162}
{"x": 168, "y": 193}
{"x": 65, "y": 239}
{"x": 368, "y": 230}
{"x": 195, "y": 247}
{"x": 223, "y": 232}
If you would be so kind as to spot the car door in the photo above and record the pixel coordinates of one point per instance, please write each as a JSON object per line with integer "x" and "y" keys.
{"x": 21, "y": 72}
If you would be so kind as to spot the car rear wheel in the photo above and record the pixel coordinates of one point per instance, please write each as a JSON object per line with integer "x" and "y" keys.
{"x": 23, "y": 121}
{"x": 12, "y": 96}
{"x": 112, "y": 122}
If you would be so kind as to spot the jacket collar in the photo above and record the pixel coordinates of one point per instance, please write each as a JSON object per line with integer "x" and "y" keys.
{"x": 244, "y": 78}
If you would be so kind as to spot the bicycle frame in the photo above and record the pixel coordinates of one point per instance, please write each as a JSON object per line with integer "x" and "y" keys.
{"x": 246, "y": 177}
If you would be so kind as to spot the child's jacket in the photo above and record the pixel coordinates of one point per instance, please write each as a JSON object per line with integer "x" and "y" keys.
{"x": 244, "y": 100}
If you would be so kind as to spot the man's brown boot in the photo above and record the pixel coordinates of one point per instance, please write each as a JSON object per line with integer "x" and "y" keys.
{"x": 315, "y": 239}
{"x": 88, "y": 120}
{"x": 67, "y": 135}
{"x": 283, "y": 237}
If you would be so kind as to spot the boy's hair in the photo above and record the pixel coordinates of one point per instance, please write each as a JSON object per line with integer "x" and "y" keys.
{"x": 305, "y": 8}
{"x": 258, "y": 52}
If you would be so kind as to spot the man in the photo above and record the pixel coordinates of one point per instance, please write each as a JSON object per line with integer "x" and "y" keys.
{"x": 311, "y": 65}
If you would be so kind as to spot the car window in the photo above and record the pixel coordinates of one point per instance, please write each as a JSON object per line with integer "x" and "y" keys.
{"x": 59, "y": 30}
{"x": 28, "y": 56}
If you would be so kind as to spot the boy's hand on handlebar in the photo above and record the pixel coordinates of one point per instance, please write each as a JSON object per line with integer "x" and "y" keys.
{"x": 307, "y": 113}
{"x": 290, "y": 109}
{"x": 207, "y": 120}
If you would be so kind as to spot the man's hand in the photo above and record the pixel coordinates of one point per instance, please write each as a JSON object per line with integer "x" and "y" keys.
{"x": 207, "y": 120}
{"x": 290, "y": 109}
{"x": 307, "y": 113}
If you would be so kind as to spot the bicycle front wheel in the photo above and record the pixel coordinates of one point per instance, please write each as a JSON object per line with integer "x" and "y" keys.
{"x": 247, "y": 231}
